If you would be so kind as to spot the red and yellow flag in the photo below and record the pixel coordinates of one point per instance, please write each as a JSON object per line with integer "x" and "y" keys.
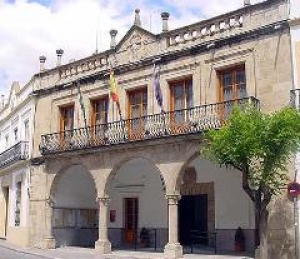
{"x": 114, "y": 90}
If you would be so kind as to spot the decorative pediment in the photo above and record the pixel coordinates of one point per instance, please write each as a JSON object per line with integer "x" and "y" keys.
{"x": 135, "y": 43}
{"x": 14, "y": 90}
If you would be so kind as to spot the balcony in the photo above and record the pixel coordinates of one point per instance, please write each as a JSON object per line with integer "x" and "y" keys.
{"x": 14, "y": 153}
{"x": 180, "y": 122}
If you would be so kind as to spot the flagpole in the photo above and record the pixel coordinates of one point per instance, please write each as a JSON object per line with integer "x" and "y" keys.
{"x": 153, "y": 91}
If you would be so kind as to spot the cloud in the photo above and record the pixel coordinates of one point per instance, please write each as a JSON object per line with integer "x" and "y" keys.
{"x": 29, "y": 29}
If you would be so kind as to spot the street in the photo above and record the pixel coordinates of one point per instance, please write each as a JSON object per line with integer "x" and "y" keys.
{"x": 8, "y": 253}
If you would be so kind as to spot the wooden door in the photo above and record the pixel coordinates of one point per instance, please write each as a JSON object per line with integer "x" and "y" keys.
{"x": 131, "y": 212}
{"x": 137, "y": 109}
{"x": 66, "y": 125}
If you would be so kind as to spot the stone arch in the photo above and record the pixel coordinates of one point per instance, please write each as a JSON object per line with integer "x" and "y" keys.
{"x": 61, "y": 172}
{"x": 135, "y": 189}
{"x": 74, "y": 206}
{"x": 122, "y": 162}
{"x": 182, "y": 171}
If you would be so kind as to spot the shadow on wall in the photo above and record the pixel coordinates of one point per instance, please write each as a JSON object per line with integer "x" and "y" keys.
{"x": 279, "y": 243}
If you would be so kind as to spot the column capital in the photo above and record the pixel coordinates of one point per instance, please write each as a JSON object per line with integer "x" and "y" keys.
{"x": 173, "y": 198}
{"x": 103, "y": 200}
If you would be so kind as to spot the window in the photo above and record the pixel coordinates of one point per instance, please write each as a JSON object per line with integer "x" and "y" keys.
{"x": 6, "y": 141}
{"x": 99, "y": 118}
{"x": 137, "y": 108}
{"x": 67, "y": 118}
{"x": 232, "y": 83}
{"x": 18, "y": 204}
{"x": 232, "y": 87}
{"x": 26, "y": 130}
{"x": 99, "y": 111}
{"x": 181, "y": 95}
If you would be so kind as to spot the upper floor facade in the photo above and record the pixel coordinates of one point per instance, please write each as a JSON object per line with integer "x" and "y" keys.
{"x": 205, "y": 68}
{"x": 16, "y": 125}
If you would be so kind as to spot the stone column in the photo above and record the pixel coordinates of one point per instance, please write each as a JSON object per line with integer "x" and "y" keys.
{"x": 50, "y": 242}
{"x": 173, "y": 249}
{"x": 103, "y": 245}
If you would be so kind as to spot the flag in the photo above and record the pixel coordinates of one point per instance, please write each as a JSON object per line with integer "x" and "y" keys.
{"x": 157, "y": 89}
{"x": 114, "y": 91}
{"x": 81, "y": 103}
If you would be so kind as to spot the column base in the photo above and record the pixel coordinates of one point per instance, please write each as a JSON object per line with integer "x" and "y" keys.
{"x": 257, "y": 253}
{"x": 173, "y": 251}
{"x": 50, "y": 243}
{"x": 103, "y": 247}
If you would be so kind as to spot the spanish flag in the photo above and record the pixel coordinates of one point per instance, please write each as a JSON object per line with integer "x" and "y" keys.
{"x": 114, "y": 90}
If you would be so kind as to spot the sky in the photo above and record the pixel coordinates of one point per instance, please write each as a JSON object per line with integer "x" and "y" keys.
{"x": 31, "y": 28}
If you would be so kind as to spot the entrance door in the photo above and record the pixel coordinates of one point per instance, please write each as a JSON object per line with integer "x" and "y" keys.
{"x": 193, "y": 219}
{"x": 131, "y": 212}
{"x": 6, "y": 200}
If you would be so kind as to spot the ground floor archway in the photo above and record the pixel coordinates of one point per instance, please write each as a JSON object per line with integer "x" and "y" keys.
{"x": 213, "y": 206}
{"x": 75, "y": 209}
{"x": 138, "y": 207}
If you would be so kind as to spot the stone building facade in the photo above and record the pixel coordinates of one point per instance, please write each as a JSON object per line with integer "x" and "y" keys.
{"x": 100, "y": 177}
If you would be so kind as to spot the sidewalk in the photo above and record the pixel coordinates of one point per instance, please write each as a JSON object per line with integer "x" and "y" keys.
{"x": 89, "y": 253}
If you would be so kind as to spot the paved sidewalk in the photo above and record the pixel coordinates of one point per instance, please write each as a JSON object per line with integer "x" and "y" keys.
{"x": 88, "y": 253}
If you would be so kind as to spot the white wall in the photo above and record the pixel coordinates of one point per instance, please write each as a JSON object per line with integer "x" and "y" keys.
{"x": 294, "y": 9}
{"x": 149, "y": 190}
{"x": 233, "y": 208}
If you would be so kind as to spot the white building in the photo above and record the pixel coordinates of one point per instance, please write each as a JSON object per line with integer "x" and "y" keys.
{"x": 16, "y": 134}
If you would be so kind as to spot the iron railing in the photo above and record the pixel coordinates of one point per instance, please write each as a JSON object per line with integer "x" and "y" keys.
{"x": 138, "y": 239}
{"x": 201, "y": 239}
{"x": 15, "y": 153}
{"x": 179, "y": 122}
{"x": 295, "y": 98}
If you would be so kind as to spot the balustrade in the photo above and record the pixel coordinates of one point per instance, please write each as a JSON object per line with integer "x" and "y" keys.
{"x": 14, "y": 153}
{"x": 180, "y": 122}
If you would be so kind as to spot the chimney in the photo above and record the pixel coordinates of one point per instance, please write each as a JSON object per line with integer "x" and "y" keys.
{"x": 2, "y": 102}
{"x": 59, "y": 53}
{"x": 247, "y": 2}
{"x": 113, "y": 34}
{"x": 165, "y": 17}
{"x": 137, "y": 18}
{"x": 42, "y": 63}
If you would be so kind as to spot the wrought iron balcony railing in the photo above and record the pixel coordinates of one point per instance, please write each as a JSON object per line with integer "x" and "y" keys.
{"x": 14, "y": 153}
{"x": 179, "y": 122}
{"x": 295, "y": 98}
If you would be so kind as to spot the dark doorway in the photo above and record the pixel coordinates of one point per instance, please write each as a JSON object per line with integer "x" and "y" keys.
{"x": 193, "y": 219}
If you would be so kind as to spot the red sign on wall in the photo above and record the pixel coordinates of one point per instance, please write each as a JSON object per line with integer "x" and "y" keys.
{"x": 294, "y": 189}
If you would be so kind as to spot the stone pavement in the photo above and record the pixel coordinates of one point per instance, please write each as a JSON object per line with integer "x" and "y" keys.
{"x": 10, "y": 251}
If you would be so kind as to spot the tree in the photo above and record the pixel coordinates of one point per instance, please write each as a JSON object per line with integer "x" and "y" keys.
{"x": 260, "y": 146}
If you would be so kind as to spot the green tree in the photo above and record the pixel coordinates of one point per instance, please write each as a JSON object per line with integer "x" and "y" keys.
{"x": 260, "y": 146}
